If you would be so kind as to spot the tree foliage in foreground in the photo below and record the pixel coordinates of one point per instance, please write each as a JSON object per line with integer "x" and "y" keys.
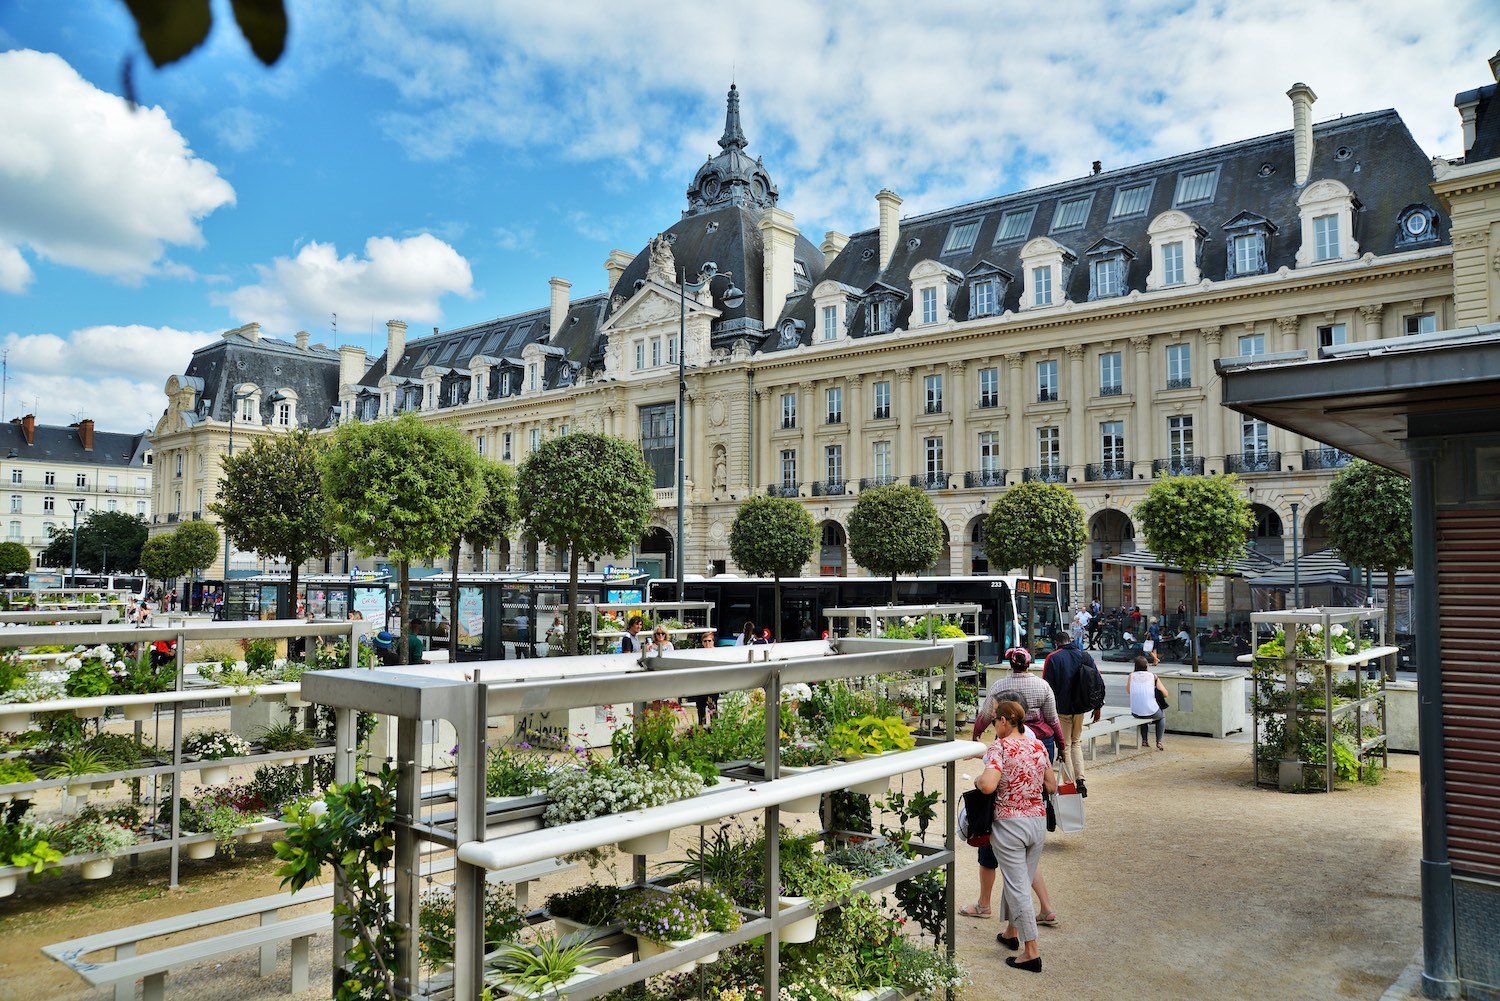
{"x": 1034, "y": 524}
{"x": 893, "y": 530}
{"x": 772, "y": 535}
{"x": 14, "y": 558}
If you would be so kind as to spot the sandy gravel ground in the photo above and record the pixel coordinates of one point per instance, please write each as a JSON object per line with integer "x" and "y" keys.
{"x": 1187, "y": 884}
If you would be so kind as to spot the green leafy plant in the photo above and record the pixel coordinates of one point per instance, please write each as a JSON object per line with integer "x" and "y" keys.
{"x": 717, "y": 907}
{"x": 286, "y": 737}
{"x": 23, "y": 844}
{"x": 89, "y": 834}
{"x": 88, "y": 677}
{"x": 738, "y": 732}
{"x": 651, "y": 742}
{"x": 78, "y": 762}
{"x": 869, "y": 735}
{"x": 214, "y": 743}
{"x": 867, "y": 859}
{"x": 260, "y": 655}
{"x": 546, "y": 966}
{"x": 922, "y": 897}
{"x": 516, "y": 770}
{"x": 807, "y": 754}
{"x": 12, "y": 671}
{"x": 503, "y": 921}
{"x": 274, "y": 785}
{"x": 15, "y": 771}
{"x": 661, "y": 915}
{"x": 587, "y": 904}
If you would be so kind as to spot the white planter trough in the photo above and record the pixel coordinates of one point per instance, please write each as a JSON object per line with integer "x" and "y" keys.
{"x": 293, "y": 702}
{"x": 801, "y": 931}
{"x": 874, "y": 787}
{"x": 804, "y": 804}
{"x": 273, "y": 697}
{"x": 8, "y": 884}
{"x": 572, "y": 932}
{"x": 101, "y": 785}
{"x": 13, "y": 722}
{"x": 79, "y": 788}
{"x": 88, "y": 712}
{"x": 645, "y": 844}
{"x": 201, "y": 849}
{"x": 139, "y": 712}
{"x": 648, "y": 948}
{"x": 98, "y": 868}
{"x": 242, "y": 700}
{"x": 552, "y": 989}
{"x": 212, "y": 773}
{"x": 255, "y": 833}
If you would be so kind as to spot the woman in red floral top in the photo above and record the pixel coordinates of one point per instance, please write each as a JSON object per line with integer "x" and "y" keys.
{"x": 1016, "y": 765}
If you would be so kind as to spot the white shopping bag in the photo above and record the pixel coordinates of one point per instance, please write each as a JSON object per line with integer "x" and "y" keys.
{"x": 1067, "y": 804}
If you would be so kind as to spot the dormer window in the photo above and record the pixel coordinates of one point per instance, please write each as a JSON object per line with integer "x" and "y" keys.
{"x": 1415, "y": 226}
{"x": 1015, "y": 224}
{"x": 1248, "y": 236}
{"x": 1196, "y": 186}
{"x": 1327, "y": 212}
{"x": 1071, "y": 213}
{"x": 881, "y": 303}
{"x": 1108, "y": 265}
{"x": 961, "y": 236}
{"x": 1049, "y": 265}
{"x": 988, "y": 286}
{"x": 1131, "y": 200}
{"x": 933, "y": 286}
{"x": 1176, "y": 251}
{"x": 828, "y": 323}
{"x": 835, "y": 309}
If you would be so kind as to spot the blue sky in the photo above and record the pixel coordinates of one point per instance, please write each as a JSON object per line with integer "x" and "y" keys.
{"x": 437, "y": 161}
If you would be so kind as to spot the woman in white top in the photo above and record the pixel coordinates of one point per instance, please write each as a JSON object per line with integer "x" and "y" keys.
{"x": 1142, "y": 687}
{"x": 660, "y": 642}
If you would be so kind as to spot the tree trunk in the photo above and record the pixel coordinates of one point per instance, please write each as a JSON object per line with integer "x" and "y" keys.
{"x": 776, "y": 631}
{"x": 403, "y": 607}
{"x": 893, "y": 589}
{"x": 453, "y": 604}
{"x": 1192, "y": 623}
{"x": 295, "y": 574}
{"x": 1390, "y": 621}
{"x": 573, "y": 598}
{"x": 1030, "y": 608}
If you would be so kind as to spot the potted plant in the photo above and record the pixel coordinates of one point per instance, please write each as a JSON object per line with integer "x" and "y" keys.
{"x": 286, "y": 737}
{"x": 546, "y": 967}
{"x": 518, "y": 770}
{"x": 90, "y": 834}
{"x": 662, "y": 920}
{"x": 74, "y": 765}
{"x": 584, "y": 910}
{"x": 14, "y": 772}
{"x": 23, "y": 846}
{"x": 807, "y": 877}
{"x": 503, "y": 921}
{"x": 223, "y": 811}
{"x": 799, "y": 757}
{"x": 605, "y": 788}
{"x": 212, "y": 745}
{"x": 867, "y": 736}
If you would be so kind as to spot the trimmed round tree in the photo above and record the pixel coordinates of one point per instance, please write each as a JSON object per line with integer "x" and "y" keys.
{"x": 159, "y": 557}
{"x": 1198, "y": 524}
{"x": 197, "y": 545}
{"x": 493, "y": 519}
{"x": 271, "y": 501}
{"x": 772, "y": 535}
{"x": 591, "y": 494}
{"x": 14, "y": 558}
{"x": 1032, "y": 525}
{"x": 894, "y": 530}
{"x": 402, "y": 487}
{"x": 1367, "y": 514}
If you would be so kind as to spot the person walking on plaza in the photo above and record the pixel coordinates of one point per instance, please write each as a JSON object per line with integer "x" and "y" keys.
{"x": 1038, "y": 704}
{"x": 1142, "y": 687}
{"x": 1079, "y": 689}
{"x": 1016, "y": 767}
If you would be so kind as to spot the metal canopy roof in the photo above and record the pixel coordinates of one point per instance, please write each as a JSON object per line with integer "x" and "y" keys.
{"x": 1247, "y": 565}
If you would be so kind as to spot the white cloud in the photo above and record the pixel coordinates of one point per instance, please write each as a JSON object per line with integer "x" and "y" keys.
{"x": 88, "y": 183}
{"x": 402, "y": 279}
{"x": 241, "y": 129}
{"x": 113, "y": 374}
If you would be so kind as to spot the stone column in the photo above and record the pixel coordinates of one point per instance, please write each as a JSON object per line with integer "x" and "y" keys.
{"x": 1213, "y": 393}
{"x": 1371, "y": 316}
{"x": 1074, "y": 451}
{"x": 762, "y": 470}
{"x": 958, "y": 444}
{"x": 906, "y": 413}
{"x": 807, "y": 468}
{"x": 1289, "y": 327}
{"x": 1015, "y": 399}
{"x": 1146, "y": 432}
{"x": 854, "y": 413}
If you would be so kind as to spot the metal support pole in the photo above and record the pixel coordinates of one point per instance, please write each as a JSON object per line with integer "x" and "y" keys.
{"x": 1296, "y": 570}
{"x": 681, "y": 431}
{"x": 469, "y": 880}
{"x": 408, "y": 852}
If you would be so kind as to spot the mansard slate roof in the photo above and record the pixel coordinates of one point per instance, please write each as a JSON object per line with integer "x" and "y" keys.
{"x": 269, "y": 364}
{"x": 1373, "y": 154}
{"x": 63, "y": 444}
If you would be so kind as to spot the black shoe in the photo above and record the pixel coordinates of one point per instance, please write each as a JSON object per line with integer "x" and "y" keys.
{"x": 1034, "y": 965}
{"x": 1083, "y": 790}
{"x": 1008, "y": 942}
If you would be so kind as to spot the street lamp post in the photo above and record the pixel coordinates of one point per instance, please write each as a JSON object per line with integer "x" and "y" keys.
{"x": 1296, "y": 570}
{"x": 732, "y": 298}
{"x": 77, "y": 504}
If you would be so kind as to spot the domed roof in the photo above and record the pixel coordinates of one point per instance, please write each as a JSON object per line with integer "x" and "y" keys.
{"x": 732, "y": 177}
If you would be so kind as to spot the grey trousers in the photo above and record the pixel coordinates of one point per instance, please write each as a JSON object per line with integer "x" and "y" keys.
{"x": 1017, "y": 842}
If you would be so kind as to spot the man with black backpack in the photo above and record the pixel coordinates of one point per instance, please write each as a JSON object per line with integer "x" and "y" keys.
{"x": 1079, "y": 689}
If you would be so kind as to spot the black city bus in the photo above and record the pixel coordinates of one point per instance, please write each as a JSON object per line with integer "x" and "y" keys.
{"x": 1004, "y": 602}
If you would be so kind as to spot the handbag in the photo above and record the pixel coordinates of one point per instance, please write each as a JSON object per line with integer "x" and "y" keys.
{"x": 1161, "y": 700}
{"x": 1067, "y": 804}
{"x": 976, "y": 805}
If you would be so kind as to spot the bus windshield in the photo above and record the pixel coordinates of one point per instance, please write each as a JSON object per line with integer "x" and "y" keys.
{"x": 1048, "y": 616}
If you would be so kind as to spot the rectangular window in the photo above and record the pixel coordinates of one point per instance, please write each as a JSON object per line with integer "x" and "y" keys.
{"x": 248, "y": 410}
{"x": 833, "y": 464}
{"x": 1249, "y": 254}
{"x": 112, "y": 483}
{"x": 1180, "y": 438}
{"x": 1015, "y": 224}
{"x": 882, "y": 461}
{"x": 789, "y": 469}
{"x": 830, "y": 328}
{"x": 835, "y": 400}
{"x": 982, "y": 296}
{"x": 1108, "y": 279}
{"x": 655, "y": 356}
{"x": 932, "y": 452}
{"x": 15, "y": 476}
{"x": 536, "y": 439}
{"x": 659, "y": 443}
{"x": 15, "y": 531}
{"x": 961, "y": 237}
{"x": 49, "y": 478}
{"x": 112, "y": 504}
{"x": 1048, "y": 448}
{"x": 1110, "y": 374}
{"x": 640, "y": 361}
{"x": 140, "y": 507}
{"x": 506, "y": 442}
{"x": 1421, "y": 323}
{"x": 1333, "y": 333}
{"x": 80, "y": 480}
{"x": 140, "y": 484}
{"x": 284, "y": 410}
{"x": 933, "y": 386}
{"x": 1196, "y": 186}
{"x": 1252, "y": 344}
{"x": 1112, "y": 444}
{"x": 882, "y": 400}
{"x": 1071, "y": 213}
{"x": 1171, "y": 264}
{"x": 479, "y": 443}
{"x": 1255, "y": 438}
{"x": 562, "y": 430}
{"x": 989, "y": 453}
{"x": 1179, "y": 366}
{"x": 788, "y": 410}
{"x": 15, "y": 503}
{"x": 878, "y": 316}
{"x": 929, "y": 305}
{"x": 989, "y": 387}
{"x": 49, "y": 505}
{"x": 1041, "y": 286}
{"x": 1326, "y": 238}
{"x": 671, "y": 351}
{"x": 1046, "y": 381}
{"x": 1130, "y": 201}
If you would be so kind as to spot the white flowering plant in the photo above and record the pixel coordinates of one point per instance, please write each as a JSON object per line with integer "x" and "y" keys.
{"x": 215, "y": 743}
{"x": 604, "y": 788}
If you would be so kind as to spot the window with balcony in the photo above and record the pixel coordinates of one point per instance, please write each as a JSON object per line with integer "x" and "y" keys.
{"x": 1048, "y": 450}
{"x": 989, "y": 387}
{"x": 882, "y": 398}
{"x": 81, "y": 481}
{"x": 49, "y": 505}
{"x": 833, "y": 465}
{"x": 15, "y": 476}
{"x": 881, "y": 461}
{"x": 15, "y": 503}
{"x": 933, "y": 389}
{"x": 1112, "y": 445}
{"x": 1110, "y": 374}
{"x": 15, "y": 531}
{"x": 989, "y": 456}
{"x": 112, "y": 483}
{"x": 789, "y": 471}
{"x": 788, "y": 410}
{"x": 49, "y": 478}
{"x": 1179, "y": 366}
{"x": 834, "y": 397}
{"x": 1180, "y": 438}
{"x": 932, "y": 453}
{"x": 1255, "y": 439}
{"x": 1046, "y": 381}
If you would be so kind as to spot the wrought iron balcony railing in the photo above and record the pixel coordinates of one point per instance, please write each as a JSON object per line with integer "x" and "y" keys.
{"x": 930, "y": 481}
{"x": 782, "y": 489}
{"x": 1325, "y": 458}
{"x": 1252, "y": 462}
{"x": 1189, "y": 465}
{"x": 1045, "y": 474}
{"x": 866, "y": 482}
{"x": 1185, "y": 382}
{"x": 1121, "y": 470}
{"x": 984, "y": 478}
{"x": 829, "y": 488}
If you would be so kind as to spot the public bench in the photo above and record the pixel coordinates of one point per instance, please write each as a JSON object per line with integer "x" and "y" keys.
{"x": 1113, "y": 721}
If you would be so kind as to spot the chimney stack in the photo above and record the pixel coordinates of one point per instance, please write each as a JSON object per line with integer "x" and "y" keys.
{"x": 86, "y": 433}
{"x": 395, "y": 344}
{"x": 352, "y": 364}
{"x": 614, "y": 268}
{"x": 302, "y": 338}
{"x": 779, "y": 238}
{"x": 28, "y": 428}
{"x": 559, "y": 314}
{"x": 1302, "y": 132}
{"x": 890, "y": 224}
{"x": 833, "y": 244}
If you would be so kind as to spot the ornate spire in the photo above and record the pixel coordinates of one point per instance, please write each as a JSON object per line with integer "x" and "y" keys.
{"x": 733, "y": 135}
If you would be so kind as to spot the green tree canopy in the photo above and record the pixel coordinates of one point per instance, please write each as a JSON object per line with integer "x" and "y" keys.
{"x": 106, "y": 540}
{"x": 772, "y": 535}
{"x": 1367, "y": 515}
{"x": 1197, "y": 523}
{"x": 14, "y": 558}
{"x": 402, "y": 487}
{"x": 197, "y": 546}
{"x": 493, "y": 519}
{"x": 271, "y": 500}
{"x": 1034, "y": 524}
{"x": 590, "y": 494}
{"x": 159, "y": 557}
{"x": 894, "y": 530}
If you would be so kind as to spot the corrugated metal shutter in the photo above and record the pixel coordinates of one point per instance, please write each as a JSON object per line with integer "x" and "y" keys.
{"x": 1468, "y": 543}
